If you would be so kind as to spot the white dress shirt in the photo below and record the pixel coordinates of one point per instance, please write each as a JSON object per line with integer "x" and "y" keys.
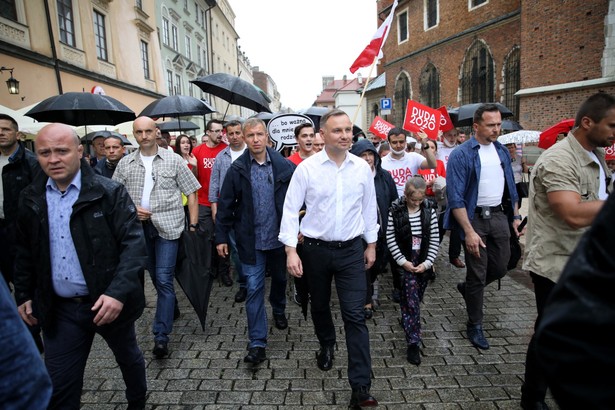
{"x": 340, "y": 202}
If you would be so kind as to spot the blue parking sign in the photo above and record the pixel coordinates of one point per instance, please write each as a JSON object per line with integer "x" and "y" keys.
{"x": 386, "y": 103}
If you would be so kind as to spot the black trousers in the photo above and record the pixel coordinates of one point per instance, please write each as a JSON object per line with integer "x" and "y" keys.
{"x": 322, "y": 263}
{"x": 535, "y": 386}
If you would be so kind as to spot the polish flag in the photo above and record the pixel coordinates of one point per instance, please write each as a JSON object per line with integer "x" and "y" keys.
{"x": 374, "y": 48}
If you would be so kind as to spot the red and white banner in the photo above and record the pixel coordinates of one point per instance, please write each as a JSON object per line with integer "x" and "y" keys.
{"x": 421, "y": 118}
{"x": 610, "y": 152}
{"x": 445, "y": 121}
{"x": 380, "y": 127}
{"x": 374, "y": 48}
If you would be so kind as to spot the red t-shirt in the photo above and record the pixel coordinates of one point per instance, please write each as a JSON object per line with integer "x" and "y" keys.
{"x": 205, "y": 158}
{"x": 431, "y": 174}
{"x": 295, "y": 158}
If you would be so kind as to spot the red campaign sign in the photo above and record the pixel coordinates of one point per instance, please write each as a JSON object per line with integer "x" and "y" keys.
{"x": 445, "y": 121}
{"x": 420, "y": 118}
{"x": 610, "y": 152}
{"x": 380, "y": 127}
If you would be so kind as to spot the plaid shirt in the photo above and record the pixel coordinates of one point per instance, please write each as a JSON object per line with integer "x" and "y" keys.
{"x": 171, "y": 178}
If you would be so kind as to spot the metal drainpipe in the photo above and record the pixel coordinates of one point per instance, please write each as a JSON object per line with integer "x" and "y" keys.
{"x": 53, "y": 48}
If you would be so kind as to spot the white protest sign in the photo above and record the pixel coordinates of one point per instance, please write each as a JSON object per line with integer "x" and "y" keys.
{"x": 281, "y": 129}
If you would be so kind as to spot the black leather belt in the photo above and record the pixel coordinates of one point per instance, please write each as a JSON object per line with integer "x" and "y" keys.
{"x": 497, "y": 208}
{"x": 77, "y": 299}
{"x": 330, "y": 244}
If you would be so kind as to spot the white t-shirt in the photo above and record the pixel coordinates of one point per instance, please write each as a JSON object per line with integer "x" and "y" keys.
{"x": 148, "y": 184}
{"x": 236, "y": 154}
{"x": 491, "y": 183}
{"x": 602, "y": 193}
{"x": 444, "y": 153}
{"x": 402, "y": 169}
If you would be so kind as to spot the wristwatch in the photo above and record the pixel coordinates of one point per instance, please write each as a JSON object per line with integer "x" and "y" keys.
{"x": 517, "y": 217}
{"x": 195, "y": 226}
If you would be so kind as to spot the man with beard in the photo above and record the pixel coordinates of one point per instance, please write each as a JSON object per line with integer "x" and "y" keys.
{"x": 568, "y": 187}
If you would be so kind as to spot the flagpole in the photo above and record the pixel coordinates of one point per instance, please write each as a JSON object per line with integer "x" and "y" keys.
{"x": 371, "y": 68}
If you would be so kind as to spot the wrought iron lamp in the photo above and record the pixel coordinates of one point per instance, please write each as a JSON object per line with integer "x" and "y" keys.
{"x": 11, "y": 83}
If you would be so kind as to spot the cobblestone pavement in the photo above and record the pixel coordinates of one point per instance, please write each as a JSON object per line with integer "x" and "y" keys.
{"x": 205, "y": 370}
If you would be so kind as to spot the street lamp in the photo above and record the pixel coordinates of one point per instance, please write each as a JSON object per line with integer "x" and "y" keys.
{"x": 11, "y": 83}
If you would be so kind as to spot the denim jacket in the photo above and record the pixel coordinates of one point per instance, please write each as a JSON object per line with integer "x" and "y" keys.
{"x": 463, "y": 174}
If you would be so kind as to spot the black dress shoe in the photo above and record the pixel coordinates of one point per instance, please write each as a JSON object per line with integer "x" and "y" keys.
{"x": 255, "y": 355}
{"x": 413, "y": 355}
{"x": 160, "y": 350}
{"x": 362, "y": 398}
{"x": 325, "y": 357}
{"x": 226, "y": 279}
{"x": 241, "y": 295}
{"x": 461, "y": 288}
{"x": 533, "y": 405}
{"x": 136, "y": 404}
{"x": 476, "y": 337}
{"x": 176, "y": 312}
{"x": 280, "y": 321}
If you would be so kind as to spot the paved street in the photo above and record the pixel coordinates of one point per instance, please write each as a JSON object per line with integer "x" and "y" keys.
{"x": 205, "y": 370}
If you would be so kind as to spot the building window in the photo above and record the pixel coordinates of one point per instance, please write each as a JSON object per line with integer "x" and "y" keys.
{"x": 430, "y": 87}
{"x": 165, "y": 31}
{"x": 196, "y": 12}
{"x": 475, "y": 3}
{"x": 202, "y": 18}
{"x": 402, "y": 26}
{"x": 512, "y": 81}
{"x": 178, "y": 84}
{"x": 100, "y": 36}
{"x": 66, "y": 22}
{"x": 431, "y": 14}
{"x": 174, "y": 38}
{"x": 8, "y": 9}
{"x": 375, "y": 112}
{"x": 140, "y": 4}
{"x": 170, "y": 81}
{"x": 188, "y": 48}
{"x": 402, "y": 95}
{"x": 477, "y": 81}
{"x": 191, "y": 89}
{"x": 145, "y": 59}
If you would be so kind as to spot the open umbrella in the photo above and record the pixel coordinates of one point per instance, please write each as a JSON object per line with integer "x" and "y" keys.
{"x": 193, "y": 272}
{"x": 234, "y": 90}
{"x": 105, "y": 134}
{"x": 265, "y": 116}
{"x": 465, "y": 113}
{"x": 519, "y": 137}
{"x": 76, "y": 109}
{"x": 510, "y": 125}
{"x": 549, "y": 136}
{"x": 177, "y": 126}
{"x": 176, "y": 106}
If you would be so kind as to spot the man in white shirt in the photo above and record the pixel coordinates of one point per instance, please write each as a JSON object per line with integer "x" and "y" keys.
{"x": 339, "y": 214}
{"x": 402, "y": 164}
{"x": 448, "y": 144}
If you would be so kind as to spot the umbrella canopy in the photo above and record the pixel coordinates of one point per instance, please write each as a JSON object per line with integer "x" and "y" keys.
{"x": 549, "y": 136}
{"x": 81, "y": 109}
{"x": 193, "y": 273}
{"x": 510, "y": 125}
{"x": 177, "y": 126}
{"x": 105, "y": 134}
{"x": 519, "y": 137}
{"x": 176, "y": 106}
{"x": 465, "y": 113}
{"x": 234, "y": 90}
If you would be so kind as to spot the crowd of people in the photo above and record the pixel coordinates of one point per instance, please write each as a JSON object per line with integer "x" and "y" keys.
{"x": 82, "y": 233}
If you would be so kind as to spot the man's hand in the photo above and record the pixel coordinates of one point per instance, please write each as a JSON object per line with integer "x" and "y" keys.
{"x": 222, "y": 250}
{"x": 293, "y": 262}
{"x": 108, "y": 310}
{"x": 515, "y": 226}
{"x": 143, "y": 214}
{"x": 474, "y": 243}
{"x": 25, "y": 311}
{"x": 370, "y": 255}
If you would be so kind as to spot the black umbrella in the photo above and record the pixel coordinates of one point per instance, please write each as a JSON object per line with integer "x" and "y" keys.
{"x": 510, "y": 125}
{"x": 81, "y": 109}
{"x": 265, "y": 116}
{"x": 234, "y": 90}
{"x": 465, "y": 113}
{"x": 104, "y": 134}
{"x": 314, "y": 114}
{"x": 176, "y": 106}
{"x": 177, "y": 126}
{"x": 193, "y": 272}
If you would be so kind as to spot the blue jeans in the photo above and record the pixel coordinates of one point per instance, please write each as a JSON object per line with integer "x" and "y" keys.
{"x": 275, "y": 260}
{"x": 24, "y": 383}
{"x": 241, "y": 279}
{"x": 161, "y": 258}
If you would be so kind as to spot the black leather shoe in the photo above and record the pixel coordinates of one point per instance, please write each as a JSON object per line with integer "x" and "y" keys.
{"x": 255, "y": 355}
{"x": 461, "y": 288}
{"x": 457, "y": 262}
{"x": 476, "y": 337}
{"x": 226, "y": 279}
{"x": 280, "y": 321}
{"x": 362, "y": 398}
{"x": 176, "y": 312}
{"x": 241, "y": 295}
{"x": 136, "y": 404}
{"x": 325, "y": 357}
{"x": 533, "y": 405}
{"x": 160, "y": 350}
{"x": 396, "y": 295}
{"x": 414, "y": 354}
